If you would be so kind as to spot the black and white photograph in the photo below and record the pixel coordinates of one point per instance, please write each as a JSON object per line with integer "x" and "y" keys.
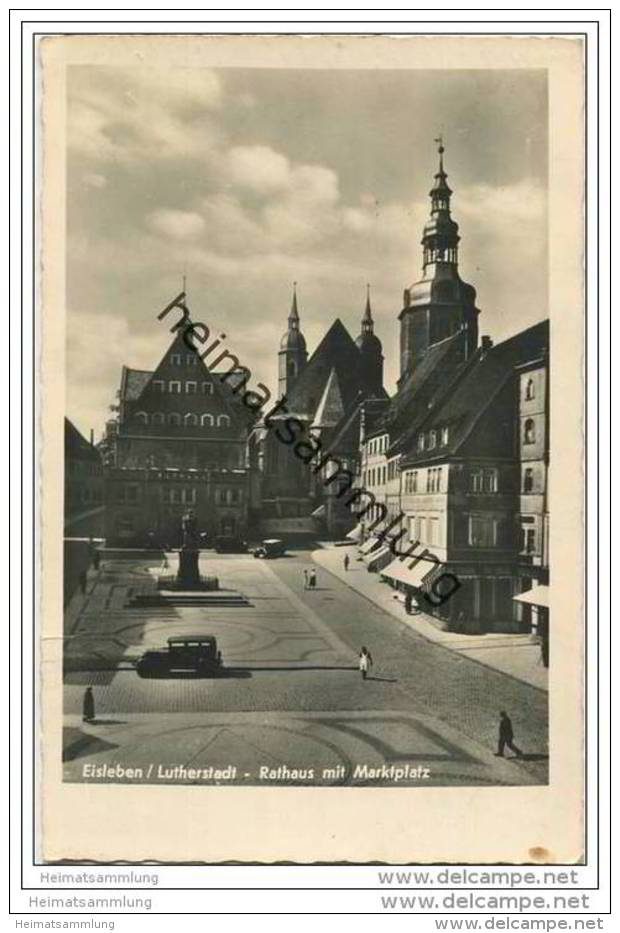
{"x": 307, "y": 427}
{"x": 312, "y": 410}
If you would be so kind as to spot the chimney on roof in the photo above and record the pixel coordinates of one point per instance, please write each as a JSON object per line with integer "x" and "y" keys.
{"x": 92, "y": 438}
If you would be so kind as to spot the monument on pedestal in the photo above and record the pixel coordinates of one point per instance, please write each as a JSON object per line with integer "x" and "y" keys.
{"x": 187, "y": 578}
{"x": 188, "y": 574}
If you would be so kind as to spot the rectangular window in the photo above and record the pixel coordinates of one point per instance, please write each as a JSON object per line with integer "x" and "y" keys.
{"x": 158, "y": 385}
{"x": 445, "y": 434}
{"x": 190, "y": 388}
{"x": 432, "y": 439}
{"x": 481, "y": 531}
{"x": 174, "y": 388}
{"x": 190, "y": 359}
{"x": 175, "y": 359}
{"x": 421, "y": 530}
{"x": 477, "y": 481}
{"x": 433, "y": 531}
{"x": 490, "y": 480}
{"x": 207, "y": 388}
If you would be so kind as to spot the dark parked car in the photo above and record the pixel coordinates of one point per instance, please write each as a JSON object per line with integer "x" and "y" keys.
{"x": 270, "y": 547}
{"x": 196, "y": 654}
{"x": 227, "y": 544}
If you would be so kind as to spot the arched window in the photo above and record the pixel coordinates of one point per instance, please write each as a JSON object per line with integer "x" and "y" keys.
{"x": 157, "y": 417}
{"x": 142, "y": 417}
{"x": 529, "y": 431}
{"x": 530, "y": 389}
{"x": 206, "y": 420}
{"x": 191, "y": 420}
{"x": 223, "y": 421}
{"x": 174, "y": 418}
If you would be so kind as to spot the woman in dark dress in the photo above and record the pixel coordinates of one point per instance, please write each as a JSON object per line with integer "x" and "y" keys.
{"x": 88, "y": 705}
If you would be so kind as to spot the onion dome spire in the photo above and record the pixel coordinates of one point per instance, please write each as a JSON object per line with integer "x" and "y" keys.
{"x": 440, "y": 240}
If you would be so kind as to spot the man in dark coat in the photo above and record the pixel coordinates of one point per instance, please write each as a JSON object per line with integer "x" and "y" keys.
{"x": 88, "y": 705}
{"x": 506, "y": 737}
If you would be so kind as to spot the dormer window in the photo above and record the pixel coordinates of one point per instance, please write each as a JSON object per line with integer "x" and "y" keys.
{"x": 421, "y": 442}
{"x": 445, "y": 436}
{"x": 432, "y": 439}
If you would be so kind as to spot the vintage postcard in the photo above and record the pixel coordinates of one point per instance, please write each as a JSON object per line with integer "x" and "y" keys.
{"x": 312, "y": 449}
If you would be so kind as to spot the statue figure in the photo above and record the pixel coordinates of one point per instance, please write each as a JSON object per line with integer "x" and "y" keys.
{"x": 190, "y": 531}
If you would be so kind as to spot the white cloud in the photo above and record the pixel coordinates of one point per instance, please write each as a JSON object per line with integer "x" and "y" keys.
{"x": 259, "y": 168}
{"x": 179, "y": 225}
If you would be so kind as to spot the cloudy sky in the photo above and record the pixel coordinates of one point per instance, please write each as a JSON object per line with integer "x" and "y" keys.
{"x": 246, "y": 180}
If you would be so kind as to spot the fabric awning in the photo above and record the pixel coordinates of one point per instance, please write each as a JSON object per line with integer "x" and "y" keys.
{"x": 537, "y": 596}
{"x": 369, "y": 544}
{"x": 378, "y": 558}
{"x": 319, "y": 513}
{"x": 417, "y": 575}
{"x": 355, "y": 534}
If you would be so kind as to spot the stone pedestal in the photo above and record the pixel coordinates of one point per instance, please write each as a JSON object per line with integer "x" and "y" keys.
{"x": 188, "y": 574}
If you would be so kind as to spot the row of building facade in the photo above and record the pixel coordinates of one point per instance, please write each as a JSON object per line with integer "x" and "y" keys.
{"x": 455, "y": 463}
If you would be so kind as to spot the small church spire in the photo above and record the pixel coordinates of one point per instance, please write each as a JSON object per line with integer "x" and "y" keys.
{"x": 367, "y": 321}
{"x": 294, "y": 315}
{"x": 292, "y": 355}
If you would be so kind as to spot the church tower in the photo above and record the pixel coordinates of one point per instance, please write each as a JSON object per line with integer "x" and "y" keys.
{"x": 440, "y": 303}
{"x": 292, "y": 355}
{"x": 371, "y": 352}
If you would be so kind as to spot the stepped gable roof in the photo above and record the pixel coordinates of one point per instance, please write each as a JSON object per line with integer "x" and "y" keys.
{"x": 336, "y": 351}
{"x": 473, "y": 389}
{"x": 330, "y": 409}
{"x": 76, "y": 445}
{"x": 134, "y": 382}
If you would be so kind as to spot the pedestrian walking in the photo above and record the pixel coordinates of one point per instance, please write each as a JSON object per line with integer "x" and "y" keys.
{"x": 88, "y": 706}
{"x": 346, "y": 562}
{"x": 506, "y": 737}
{"x": 312, "y": 579}
{"x": 305, "y": 579}
{"x": 408, "y": 602}
{"x": 83, "y": 579}
{"x": 365, "y": 661}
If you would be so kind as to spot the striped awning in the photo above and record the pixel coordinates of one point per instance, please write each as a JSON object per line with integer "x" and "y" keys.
{"x": 417, "y": 574}
{"x": 537, "y": 596}
{"x": 355, "y": 534}
{"x": 379, "y": 558}
{"x": 369, "y": 544}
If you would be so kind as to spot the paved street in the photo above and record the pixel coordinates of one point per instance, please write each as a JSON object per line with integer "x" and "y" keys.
{"x": 291, "y": 700}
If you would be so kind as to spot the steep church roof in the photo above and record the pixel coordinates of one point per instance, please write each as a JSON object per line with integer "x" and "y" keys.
{"x": 336, "y": 351}
{"x": 331, "y": 408}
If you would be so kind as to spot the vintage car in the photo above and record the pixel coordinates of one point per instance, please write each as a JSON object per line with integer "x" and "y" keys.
{"x": 196, "y": 654}
{"x": 270, "y": 547}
